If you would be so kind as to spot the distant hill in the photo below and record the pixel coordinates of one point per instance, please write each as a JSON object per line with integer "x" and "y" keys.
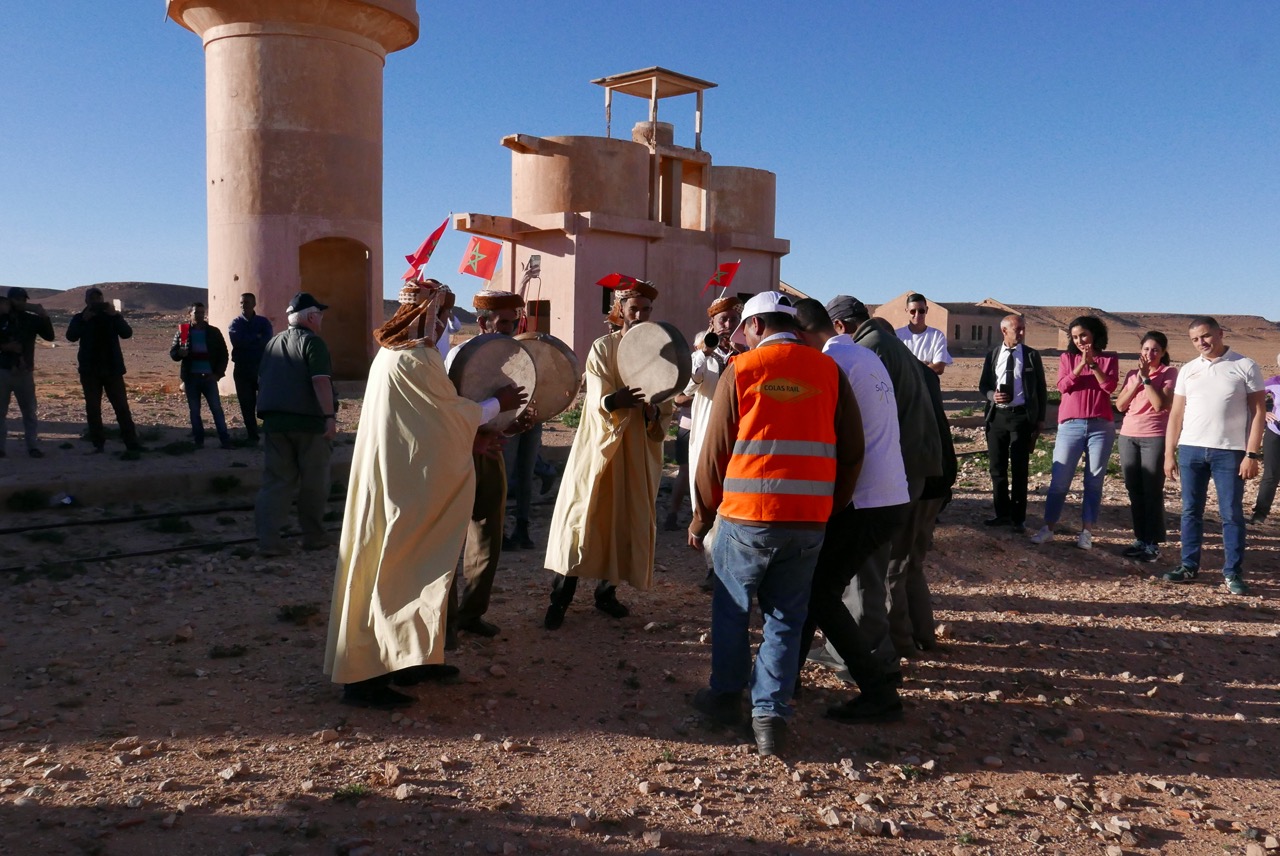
{"x": 149, "y": 297}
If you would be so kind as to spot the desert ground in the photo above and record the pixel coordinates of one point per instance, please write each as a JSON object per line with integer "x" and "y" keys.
{"x": 174, "y": 702}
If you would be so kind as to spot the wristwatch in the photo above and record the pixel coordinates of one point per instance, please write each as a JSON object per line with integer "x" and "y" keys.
{"x": 1146, "y": 381}
{"x": 1253, "y": 456}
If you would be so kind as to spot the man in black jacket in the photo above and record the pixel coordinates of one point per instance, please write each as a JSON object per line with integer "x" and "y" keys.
{"x": 200, "y": 348}
{"x": 98, "y": 328}
{"x": 1013, "y": 383}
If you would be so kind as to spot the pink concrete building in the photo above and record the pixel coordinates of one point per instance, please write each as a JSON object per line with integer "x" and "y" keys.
{"x": 583, "y": 207}
{"x": 293, "y": 102}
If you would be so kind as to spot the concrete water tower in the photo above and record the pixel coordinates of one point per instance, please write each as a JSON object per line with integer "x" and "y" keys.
{"x": 293, "y": 104}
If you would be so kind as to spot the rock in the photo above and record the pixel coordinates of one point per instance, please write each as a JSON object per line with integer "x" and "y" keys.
{"x": 8, "y": 724}
{"x": 497, "y": 671}
{"x": 831, "y": 817}
{"x": 1113, "y": 850}
{"x": 328, "y": 735}
{"x": 699, "y": 809}
{"x": 1271, "y": 843}
{"x": 185, "y": 633}
{"x": 403, "y": 792}
{"x": 1253, "y": 848}
{"x": 126, "y": 744}
{"x": 579, "y": 822}
{"x": 169, "y": 821}
{"x": 136, "y": 801}
{"x": 945, "y": 749}
{"x": 232, "y": 772}
{"x": 993, "y": 761}
{"x": 646, "y": 787}
{"x": 866, "y": 826}
{"x": 166, "y": 786}
{"x": 653, "y": 838}
{"x": 1061, "y": 803}
{"x": 58, "y": 772}
{"x": 393, "y": 773}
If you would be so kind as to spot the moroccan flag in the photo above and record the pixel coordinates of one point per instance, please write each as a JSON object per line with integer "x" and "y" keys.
{"x": 418, "y": 259}
{"x": 618, "y": 280}
{"x": 722, "y": 277}
{"x": 481, "y": 258}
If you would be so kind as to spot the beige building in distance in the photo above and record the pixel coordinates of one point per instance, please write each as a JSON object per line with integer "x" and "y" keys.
{"x": 583, "y": 207}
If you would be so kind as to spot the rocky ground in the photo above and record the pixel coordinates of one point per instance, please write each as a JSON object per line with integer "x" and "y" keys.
{"x": 174, "y": 703}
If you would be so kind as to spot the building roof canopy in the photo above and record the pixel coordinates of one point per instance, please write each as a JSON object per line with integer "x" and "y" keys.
{"x": 640, "y": 82}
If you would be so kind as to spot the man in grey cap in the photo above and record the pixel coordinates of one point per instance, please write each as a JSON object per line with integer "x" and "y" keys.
{"x": 921, "y": 453}
{"x": 17, "y": 366}
{"x": 298, "y": 408}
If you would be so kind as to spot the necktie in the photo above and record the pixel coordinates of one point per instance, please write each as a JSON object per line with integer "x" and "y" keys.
{"x": 1010, "y": 353}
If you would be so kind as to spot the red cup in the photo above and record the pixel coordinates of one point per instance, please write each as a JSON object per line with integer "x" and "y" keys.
{"x": 184, "y": 333}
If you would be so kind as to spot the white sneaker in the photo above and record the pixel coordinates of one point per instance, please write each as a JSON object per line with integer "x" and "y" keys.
{"x": 1085, "y": 541}
{"x": 1042, "y": 535}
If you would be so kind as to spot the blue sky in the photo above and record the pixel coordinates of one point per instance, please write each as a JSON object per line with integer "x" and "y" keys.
{"x": 1124, "y": 155}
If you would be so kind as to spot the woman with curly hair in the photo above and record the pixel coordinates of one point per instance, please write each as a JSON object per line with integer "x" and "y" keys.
{"x": 1145, "y": 399}
{"x": 1087, "y": 375}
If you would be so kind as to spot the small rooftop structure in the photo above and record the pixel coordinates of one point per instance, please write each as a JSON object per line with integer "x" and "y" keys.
{"x": 654, "y": 83}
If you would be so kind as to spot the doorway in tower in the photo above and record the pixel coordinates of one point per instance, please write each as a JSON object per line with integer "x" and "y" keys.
{"x": 337, "y": 271}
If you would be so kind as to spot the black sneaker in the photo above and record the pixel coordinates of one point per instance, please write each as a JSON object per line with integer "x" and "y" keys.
{"x": 1135, "y": 550}
{"x": 1150, "y": 554}
{"x": 721, "y": 708}
{"x": 884, "y": 706}
{"x": 611, "y": 607}
{"x": 555, "y": 616}
{"x": 414, "y": 675}
{"x": 479, "y": 627}
{"x": 1234, "y": 585}
{"x": 1180, "y": 574}
{"x": 377, "y": 696}
{"x": 770, "y": 733}
{"x": 1257, "y": 519}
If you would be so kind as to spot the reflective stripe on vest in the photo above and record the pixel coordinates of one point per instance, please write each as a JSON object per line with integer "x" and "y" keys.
{"x": 784, "y": 463}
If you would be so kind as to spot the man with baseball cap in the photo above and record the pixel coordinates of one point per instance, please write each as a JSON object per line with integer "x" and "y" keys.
{"x": 784, "y": 446}
{"x": 25, "y": 322}
{"x": 298, "y": 408}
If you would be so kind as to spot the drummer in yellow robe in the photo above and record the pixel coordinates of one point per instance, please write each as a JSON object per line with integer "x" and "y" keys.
{"x": 400, "y": 541}
{"x": 603, "y": 527}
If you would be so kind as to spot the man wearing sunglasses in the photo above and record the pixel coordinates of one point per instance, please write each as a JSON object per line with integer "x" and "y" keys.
{"x": 929, "y": 344}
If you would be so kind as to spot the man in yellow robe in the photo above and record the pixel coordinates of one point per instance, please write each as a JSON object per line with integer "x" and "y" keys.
{"x": 401, "y": 540}
{"x": 603, "y": 527}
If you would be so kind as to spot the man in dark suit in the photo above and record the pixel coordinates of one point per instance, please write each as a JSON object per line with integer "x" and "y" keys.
{"x": 1014, "y": 385}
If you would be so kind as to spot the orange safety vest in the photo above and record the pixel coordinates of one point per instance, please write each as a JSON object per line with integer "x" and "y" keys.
{"x": 783, "y": 466}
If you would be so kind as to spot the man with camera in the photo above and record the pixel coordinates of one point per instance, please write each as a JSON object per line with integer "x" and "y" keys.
{"x": 98, "y": 328}
{"x": 25, "y": 321}
{"x": 1013, "y": 383}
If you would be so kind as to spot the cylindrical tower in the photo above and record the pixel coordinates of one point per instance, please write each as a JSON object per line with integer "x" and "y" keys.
{"x": 293, "y": 106}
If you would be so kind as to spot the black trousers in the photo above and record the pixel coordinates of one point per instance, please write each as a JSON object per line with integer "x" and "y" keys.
{"x": 851, "y": 535}
{"x": 1009, "y": 447}
{"x": 113, "y": 385}
{"x": 563, "y": 589}
{"x": 246, "y": 380}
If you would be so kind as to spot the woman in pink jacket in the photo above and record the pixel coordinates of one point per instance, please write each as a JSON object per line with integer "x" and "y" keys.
{"x": 1145, "y": 399}
{"x": 1087, "y": 375}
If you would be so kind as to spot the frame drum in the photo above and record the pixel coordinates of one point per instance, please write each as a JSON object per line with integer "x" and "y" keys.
{"x": 559, "y": 374}
{"x": 654, "y": 357}
{"x": 483, "y": 365}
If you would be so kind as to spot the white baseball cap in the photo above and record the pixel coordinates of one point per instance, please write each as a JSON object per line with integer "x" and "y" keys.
{"x": 765, "y": 301}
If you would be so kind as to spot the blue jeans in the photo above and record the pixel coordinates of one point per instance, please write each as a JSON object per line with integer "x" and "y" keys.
{"x": 205, "y": 386}
{"x": 1196, "y": 465}
{"x": 1091, "y": 438}
{"x": 775, "y": 566}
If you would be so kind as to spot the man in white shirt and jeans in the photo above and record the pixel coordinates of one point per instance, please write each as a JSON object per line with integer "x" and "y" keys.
{"x": 1215, "y": 431}
{"x": 928, "y": 344}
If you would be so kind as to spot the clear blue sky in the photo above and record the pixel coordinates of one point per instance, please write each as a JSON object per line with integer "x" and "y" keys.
{"x": 1117, "y": 154}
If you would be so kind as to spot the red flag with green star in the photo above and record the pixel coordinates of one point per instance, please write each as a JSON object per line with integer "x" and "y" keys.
{"x": 481, "y": 258}
{"x": 418, "y": 259}
{"x": 617, "y": 281}
{"x": 722, "y": 277}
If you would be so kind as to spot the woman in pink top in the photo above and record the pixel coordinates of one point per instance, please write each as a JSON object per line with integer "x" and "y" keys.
{"x": 1145, "y": 399}
{"x": 1086, "y": 425}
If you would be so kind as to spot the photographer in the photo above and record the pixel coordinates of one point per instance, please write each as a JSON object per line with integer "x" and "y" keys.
{"x": 25, "y": 322}
{"x": 98, "y": 328}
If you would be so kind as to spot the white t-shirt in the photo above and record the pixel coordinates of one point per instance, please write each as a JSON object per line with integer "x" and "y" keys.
{"x": 928, "y": 347}
{"x": 883, "y": 479}
{"x": 1217, "y": 411}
